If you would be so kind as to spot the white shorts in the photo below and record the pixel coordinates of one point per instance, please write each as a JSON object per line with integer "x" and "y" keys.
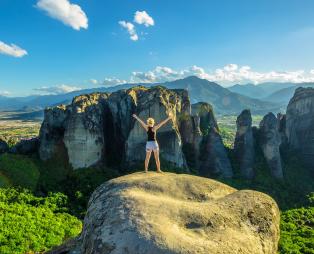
{"x": 152, "y": 146}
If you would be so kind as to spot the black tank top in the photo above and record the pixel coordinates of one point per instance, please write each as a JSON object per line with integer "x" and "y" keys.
{"x": 151, "y": 135}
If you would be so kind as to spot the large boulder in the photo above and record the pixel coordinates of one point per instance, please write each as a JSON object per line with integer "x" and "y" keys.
{"x": 244, "y": 144}
{"x": 300, "y": 124}
{"x": 270, "y": 141}
{"x": 168, "y": 213}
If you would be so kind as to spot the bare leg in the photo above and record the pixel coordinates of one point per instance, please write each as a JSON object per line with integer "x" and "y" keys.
{"x": 156, "y": 154}
{"x": 148, "y": 153}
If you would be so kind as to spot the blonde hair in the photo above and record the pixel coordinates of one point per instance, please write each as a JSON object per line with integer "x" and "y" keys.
{"x": 150, "y": 121}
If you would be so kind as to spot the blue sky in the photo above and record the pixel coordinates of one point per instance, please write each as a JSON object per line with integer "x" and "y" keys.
{"x": 225, "y": 41}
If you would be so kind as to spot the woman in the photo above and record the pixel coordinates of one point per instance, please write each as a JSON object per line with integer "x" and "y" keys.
{"x": 151, "y": 144}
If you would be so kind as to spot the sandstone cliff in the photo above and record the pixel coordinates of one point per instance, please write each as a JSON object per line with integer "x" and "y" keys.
{"x": 244, "y": 144}
{"x": 99, "y": 128}
{"x": 167, "y": 213}
{"x": 300, "y": 125}
{"x": 270, "y": 141}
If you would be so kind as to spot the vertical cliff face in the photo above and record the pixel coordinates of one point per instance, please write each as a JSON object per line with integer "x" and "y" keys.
{"x": 52, "y": 131}
{"x": 212, "y": 155}
{"x": 300, "y": 124}
{"x": 158, "y": 103}
{"x": 84, "y": 132}
{"x": 270, "y": 141}
{"x": 244, "y": 144}
{"x": 99, "y": 128}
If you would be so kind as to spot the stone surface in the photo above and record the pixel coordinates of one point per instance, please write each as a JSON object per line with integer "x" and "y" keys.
{"x": 212, "y": 155}
{"x": 168, "y": 213}
{"x": 99, "y": 128}
{"x": 3, "y": 146}
{"x": 270, "y": 141}
{"x": 52, "y": 131}
{"x": 26, "y": 146}
{"x": 84, "y": 130}
{"x": 300, "y": 125}
{"x": 244, "y": 144}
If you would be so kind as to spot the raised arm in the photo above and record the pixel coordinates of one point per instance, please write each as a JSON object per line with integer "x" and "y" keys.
{"x": 140, "y": 121}
{"x": 162, "y": 123}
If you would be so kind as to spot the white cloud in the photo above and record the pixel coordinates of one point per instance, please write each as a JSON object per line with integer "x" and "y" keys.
{"x": 94, "y": 81}
{"x": 227, "y": 75}
{"x": 130, "y": 29}
{"x": 4, "y": 93}
{"x": 113, "y": 82}
{"x": 12, "y": 50}
{"x": 142, "y": 18}
{"x": 59, "y": 89}
{"x": 70, "y": 14}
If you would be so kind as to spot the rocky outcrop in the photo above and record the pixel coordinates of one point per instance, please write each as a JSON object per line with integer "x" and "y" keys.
{"x": 52, "y": 131}
{"x": 3, "y": 146}
{"x": 26, "y": 146}
{"x": 99, "y": 128}
{"x": 300, "y": 125}
{"x": 270, "y": 141}
{"x": 157, "y": 103}
{"x": 212, "y": 155}
{"x": 167, "y": 213}
{"x": 244, "y": 144}
{"x": 84, "y": 130}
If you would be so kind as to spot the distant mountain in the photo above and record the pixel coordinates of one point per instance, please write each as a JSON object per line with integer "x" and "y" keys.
{"x": 222, "y": 100}
{"x": 260, "y": 91}
{"x": 283, "y": 96}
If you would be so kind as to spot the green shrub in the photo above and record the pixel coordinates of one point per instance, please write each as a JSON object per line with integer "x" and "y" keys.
{"x": 34, "y": 224}
{"x": 297, "y": 231}
{"x": 19, "y": 170}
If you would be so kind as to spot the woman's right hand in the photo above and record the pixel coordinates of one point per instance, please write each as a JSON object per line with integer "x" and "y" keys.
{"x": 134, "y": 115}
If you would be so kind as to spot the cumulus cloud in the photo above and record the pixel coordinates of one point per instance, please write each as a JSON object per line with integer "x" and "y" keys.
{"x": 70, "y": 14}
{"x": 12, "y": 50}
{"x": 130, "y": 29}
{"x": 54, "y": 90}
{"x": 142, "y": 18}
{"x": 227, "y": 75}
{"x": 113, "y": 82}
{"x": 4, "y": 93}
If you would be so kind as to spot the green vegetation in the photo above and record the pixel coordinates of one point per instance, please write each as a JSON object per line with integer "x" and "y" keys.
{"x": 297, "y": 231}
{"x": 31, "y": 224}
{"x": 18, "y": 170}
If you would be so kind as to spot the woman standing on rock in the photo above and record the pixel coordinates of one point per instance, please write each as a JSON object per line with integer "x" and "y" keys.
{"x": 151, "y": 144}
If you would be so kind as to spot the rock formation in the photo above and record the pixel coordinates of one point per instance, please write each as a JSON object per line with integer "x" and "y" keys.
{"x": 244, "y": 144}
{"x": 3, "y": 146}
{"x": 270, "y": 141}
{"x": 300, "y": 125}
{"x": 99, "y": 128}
{"x": 167, "y": 213}
{"x": 213, "y": 156}
{"x": 26, "y": 146}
